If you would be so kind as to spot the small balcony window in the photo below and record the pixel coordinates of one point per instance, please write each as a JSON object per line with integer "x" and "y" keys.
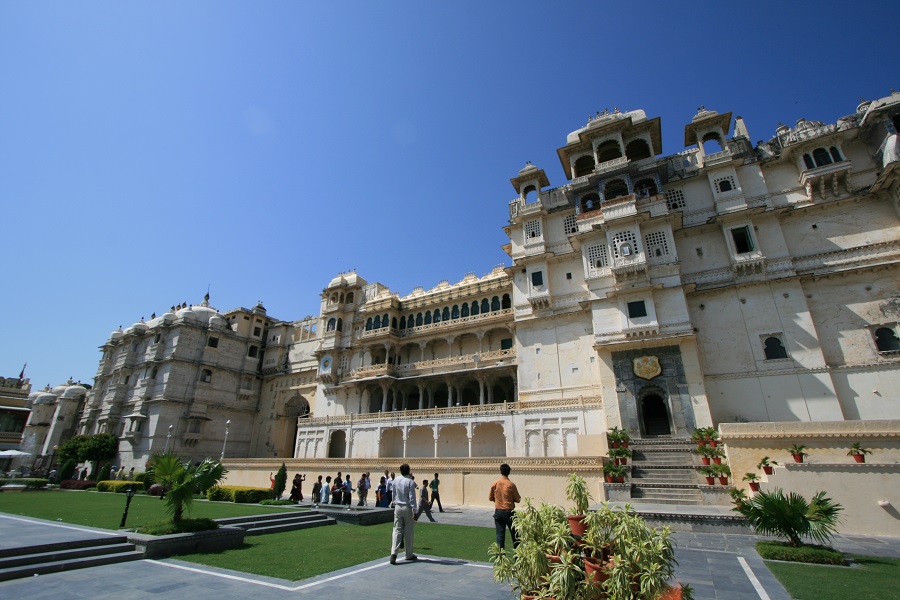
{"x": 743, "y": 240}
{"x": 637, "y": 309}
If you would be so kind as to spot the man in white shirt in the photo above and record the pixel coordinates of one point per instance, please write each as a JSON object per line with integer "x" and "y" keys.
{"x": 389, "y": 485}
{"x": 404, "y": 504}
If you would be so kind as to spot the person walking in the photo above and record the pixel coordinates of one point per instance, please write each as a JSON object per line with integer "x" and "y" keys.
{"x": 504, "y": 495}
{"x": 316, "y": 495}
{"x": 361, "y": 490}
{"x": 326, "y": 490}
{"x": 424, "y": 504}
{"x": 404, "y": 504}
{"x": 435, "y": 495}
{"x": 348, "y": 492}
{"x": 381, "y": 495}
{"x": 389, "y": 482}
{"x": 337, "y": 491}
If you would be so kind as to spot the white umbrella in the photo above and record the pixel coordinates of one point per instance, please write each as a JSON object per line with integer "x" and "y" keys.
{"x": 11, "y": 453}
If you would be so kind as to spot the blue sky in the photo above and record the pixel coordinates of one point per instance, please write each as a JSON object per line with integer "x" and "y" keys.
{"x": 149, "y": 150}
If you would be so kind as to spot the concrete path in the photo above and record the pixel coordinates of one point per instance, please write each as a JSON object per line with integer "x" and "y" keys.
{"x": 718, "y": 566}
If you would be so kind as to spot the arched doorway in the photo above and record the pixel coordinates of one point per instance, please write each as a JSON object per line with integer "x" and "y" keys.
{"x": 655, "y": 415}
{"x": 337, "y": 448}
{"x": 294, "y": 409}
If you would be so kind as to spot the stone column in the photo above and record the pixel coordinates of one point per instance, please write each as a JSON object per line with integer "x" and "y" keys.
{"x": 421, "y": 396}
{"x": 436, "y": 435}
{"x": 405, "y": 438}
{"x": 384, "y": 397}
{"x": 481, "y": 391}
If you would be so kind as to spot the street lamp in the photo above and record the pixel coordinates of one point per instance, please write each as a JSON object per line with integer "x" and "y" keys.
{"x": 129, "y": 494}
{"x": 168, "y": 437}
{"x": 227, "y": 425}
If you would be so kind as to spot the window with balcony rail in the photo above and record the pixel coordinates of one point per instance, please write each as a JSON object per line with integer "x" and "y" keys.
{"x": 584, "y": 165}
{"x": 637, "y": 149}
{"x": 609, "y": 150}
{"x": 589, "y": 202}
{"x": 645, "y": 188}
{"x": 615, "y": 189}
{"x": 821, "y": 157}
{"x": 743, "y": 240}
{"x": 532, "y": 229}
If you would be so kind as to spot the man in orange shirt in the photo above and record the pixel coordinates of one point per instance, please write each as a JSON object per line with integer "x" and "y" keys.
{"x": 504, "y": 495}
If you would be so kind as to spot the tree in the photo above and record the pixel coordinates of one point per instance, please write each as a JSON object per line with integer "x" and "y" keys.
{"x": 100, "y": 447}
{"x": 791, "y": 516}
{"x": 181, "y": 480}
{"x": 72, "y": 449}
{"x": 280, "y": 482}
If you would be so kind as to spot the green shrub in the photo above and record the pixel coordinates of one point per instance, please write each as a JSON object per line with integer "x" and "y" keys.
{"x": 238, "y": 493}
{"x": 102, "y": 474}
{"x": 117, "y": 487}
{"x": 278, "y": 503}
{"x": 3, "y": 481}
{"x": 67, "y": 470}
{"x": 140, "y": 477}
{"x": 820, "y": 555}
{"x": 183, "y": 526}
{"x": 280, "y": 482}
{"x": 34, "y": 483}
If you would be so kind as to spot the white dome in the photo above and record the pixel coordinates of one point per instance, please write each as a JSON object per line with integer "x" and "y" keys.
{"x": 336, "y": 282}
{"x": 74, "y": 391}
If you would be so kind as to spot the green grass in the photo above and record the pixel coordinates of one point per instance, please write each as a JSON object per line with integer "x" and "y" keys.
{"x": 875, "y": 579}
{"x": 104, "y": 510}
{"x": 295, "y": 555}
{"x": 808, "y": 553}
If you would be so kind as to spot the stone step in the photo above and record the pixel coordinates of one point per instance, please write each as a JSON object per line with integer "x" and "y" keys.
{"x": 671, "y": 494}
{"x": 85, "y": 543}
{"x": 237, "y": 521}
{"x": 264, "y": 529}
{"x": 68, "y": 565}
{"x": 26, "y": 556}
{"x": 681, "y": 501}
{"x": 42, "y": 559}
{"x": 275, "y": 523}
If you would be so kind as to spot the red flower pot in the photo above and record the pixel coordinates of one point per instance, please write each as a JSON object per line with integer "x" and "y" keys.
{"x": 576, "y": 524}
{"x": 798, "y": 458}
{"x": 615, "y": 444}
{"x": 754, "y": 486}
{"x": 624, "y": 444}
{"x": 768, "y": 470}
{"x": 610, "y": 479}
{"x": 553, "y": 559}
{"x": 621, "y": 479}
{"x": 713, "y": 443}
{"x": 717, "y": 460}
{"x": 595, "y": 572}
{"x": 723, "y": 480}
{"x": 701, "y": 443}
{"x": 710, "y": 481}
{"x": 860, "y": 458}
{"x": 704, "y": 460}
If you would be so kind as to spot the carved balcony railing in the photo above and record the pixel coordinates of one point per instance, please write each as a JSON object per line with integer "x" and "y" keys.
{"x": 644, "y": 332}
{"x": 717, "y": 158}
{"x": 629, "y": 265}
{"x": 498, "y": 315}
{"x": 751, "y": 263}
{"x": 454, "y": 412}
{"x": 437, "y": 365}
{"x": 617, "y": 208}
{"x": 611, "y": 165}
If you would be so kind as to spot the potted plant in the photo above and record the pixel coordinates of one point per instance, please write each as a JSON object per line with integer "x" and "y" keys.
{"x": 723, "y": 473}
{"x": 797, "y": 451}
{"x": 624, "y": 438}
{"x": 768, "y": 466}
{"x": 620, "y": 454}
{"x": 710, "y": 474}
{"x": 525, "y": 568}
{"x": 708, "y": 453}
{"x": 559, "y": 541}
{"x": 738, "y": 496}
{"x": 566, "y": 579}
{"x": 712, "y": 436}
{"x": 753, "y": 480}
{"x": 614, "y": 473}
{"x": 643, "y": 559}
{"x": 699, "y": 437}
{"x": 858, "y": 452}
{"x": 577, "y": 492}
{"x": 615, "y": 437}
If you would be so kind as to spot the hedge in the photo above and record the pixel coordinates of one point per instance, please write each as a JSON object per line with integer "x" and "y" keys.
{"x": 118, "y": 487}
{"x": 807, "y": 553}
{"x": 31, "y": 483}
{"x": 77, "y": 484}
{"x": 239, "y": 493}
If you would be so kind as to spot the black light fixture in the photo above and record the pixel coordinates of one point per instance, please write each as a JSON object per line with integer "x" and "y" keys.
{"x": 129, "y": 494}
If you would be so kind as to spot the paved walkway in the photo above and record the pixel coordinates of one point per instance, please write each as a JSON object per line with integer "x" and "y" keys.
{"x": 718, "y": 566}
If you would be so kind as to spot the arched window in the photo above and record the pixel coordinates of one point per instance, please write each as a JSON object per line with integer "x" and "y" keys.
{"x": 402, "y": 322}
{"x": 331, "y": 323}
{"x": 506, "y": 302}
{"x": 615, "y": 189}
{"x": 465, "y": 310}
{"x": 419, "y": 319}
{"x": 342, "y": 298}
{"x": 725, "y": 186}
{"x": 340, "y": 325}
{"x": 485, "y": 306}
{"x": 590, "y": 202}
{"x": 774, "y": 348}
{"x": 646, "y": 188}
{"x": 394, "y": 322}
{"x": 436, "y": 316}
{"x": 584, "y": 166}
{"x": 445, "y": 316}
{"x": 475, "y": 310}
{"x": 608, "y": 150}
{"x": 808, "y": 161}
{"x": 712, "y": 143}
{"x": 384, "y": 320}
{"x": 369, "y": 324}
{"x": 530, "y": 194}
{"x": 835, "y": 154}
{"x": 428, "y": 318}
{"x": 206, "y": 376}
{"x": 334, "y": 298}
{"x": 495, "y": 304}
{"x": 349, "y": 297}
{"x": 637, "y": 149}
{"x": 376, "y": 324}
{"x": 821, "y": 156}
{"x": 454, "y": 314}
{"x": 886, "y": 340}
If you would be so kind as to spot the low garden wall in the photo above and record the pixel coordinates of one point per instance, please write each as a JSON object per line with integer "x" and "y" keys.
{"x": 869, "y": 492}
{"x": 162, "y": 546}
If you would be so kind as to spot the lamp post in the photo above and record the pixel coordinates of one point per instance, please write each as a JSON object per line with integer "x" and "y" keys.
{"x": 129, "y": 494}
{"x": 227, "y": 425}
{"x": 168, "y": 437}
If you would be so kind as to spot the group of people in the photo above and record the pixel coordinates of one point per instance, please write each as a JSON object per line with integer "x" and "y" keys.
{"x": 340, "y": 489}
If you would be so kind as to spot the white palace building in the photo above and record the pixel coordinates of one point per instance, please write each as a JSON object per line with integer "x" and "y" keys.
{"x": 743, "y": 283}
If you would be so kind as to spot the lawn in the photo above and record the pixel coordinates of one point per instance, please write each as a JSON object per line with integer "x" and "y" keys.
{"x": 872, "y": 580}
{"x": 295, "y": 555}
{"x": 104, "y": 510}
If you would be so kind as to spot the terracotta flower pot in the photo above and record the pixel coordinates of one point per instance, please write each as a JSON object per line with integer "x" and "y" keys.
{"x": 704, "y": 460}
{"x": 624, "y": 444}
{"x": 610, "y": 479}
{"x": 717, "y": 460}
{"x": 701, "y": 443}
{"x": 576, "y": 524}
{"x": 615, "y": 444}
{"x": 723, "y": 480}
{"x": 710, "y": 480}
{"x": 621, "y": 479}
{"x": 754, "y": 486}
{"x": 595, "y": 571}
{"x": 553, "y": 559}
{"x": 860, "y": 458}
{"x": 714, "y": 443}
{"x": 768, "y": 470}
{"x": 798, "y": 458}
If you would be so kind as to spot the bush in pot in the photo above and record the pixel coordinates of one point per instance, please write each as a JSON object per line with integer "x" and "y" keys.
{"x": 790, "y": 516}
{"x": 708, "y": 453}
{"x": 753, "y": 480}
{"x": 614, "y": 473}
{"x": 710, "y": 474}
{"x": 797, "y": 451}
{"x": 768, "y": 466}
{"x": 577, "y": 492}
{"x": 723, "y": 472}
{"x": 858, "y": 452}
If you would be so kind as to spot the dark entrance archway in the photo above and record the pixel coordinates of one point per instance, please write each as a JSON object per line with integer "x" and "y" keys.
{"x": 655, "y": 415}
{"x": 338, "y": 446}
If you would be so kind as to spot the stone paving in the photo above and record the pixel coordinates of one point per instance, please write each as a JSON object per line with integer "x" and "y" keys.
{"x": 717, "y": 566}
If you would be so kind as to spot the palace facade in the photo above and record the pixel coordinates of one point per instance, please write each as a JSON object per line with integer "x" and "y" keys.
{"x": 731, "y": 282}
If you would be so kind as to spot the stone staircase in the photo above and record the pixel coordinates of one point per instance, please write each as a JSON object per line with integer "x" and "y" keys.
{"x": 16, "y": 563}
{"x": 662, "y": 472}
{"x": 275, "y": 523}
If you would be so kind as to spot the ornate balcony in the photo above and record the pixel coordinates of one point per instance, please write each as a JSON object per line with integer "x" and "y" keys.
{"x": 481, "y": 360}
{"x": 751, "y": 263}
{"x": 626, "y": 266}
{"x": 717, "y": 158}
{"x": 618, "y": 208}
{"x": 483, "y": 318}
{"x": 817, "y": 179}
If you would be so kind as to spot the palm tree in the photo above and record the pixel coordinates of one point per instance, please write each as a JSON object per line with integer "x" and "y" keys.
{"x": 181, "y": 480}
{"x": 791, "y": 516}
